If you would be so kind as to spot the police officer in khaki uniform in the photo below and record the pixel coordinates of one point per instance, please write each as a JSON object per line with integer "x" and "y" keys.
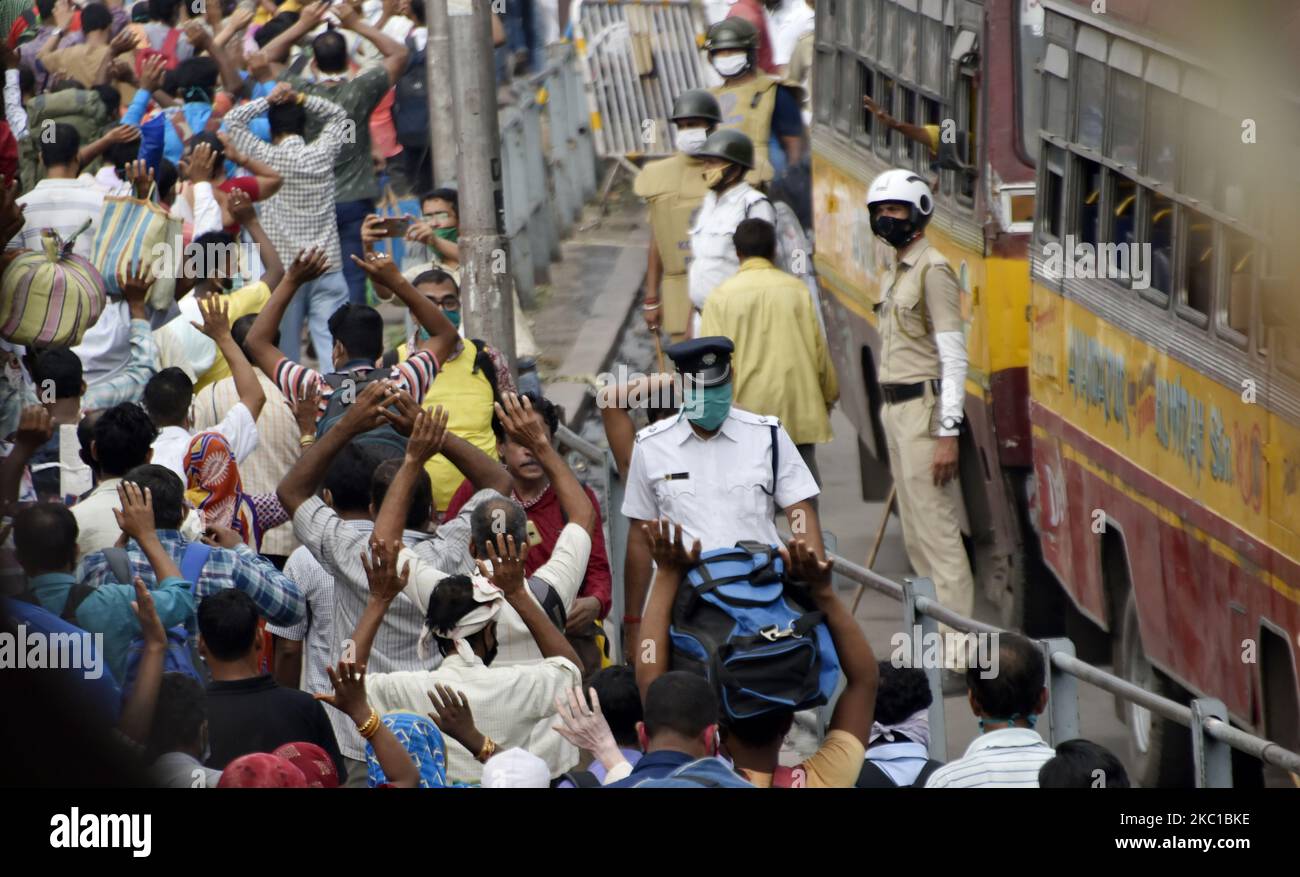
{"x": 757, "y": 105}
{"x": 674, "y": 188}
{"x": 923, "y": 380}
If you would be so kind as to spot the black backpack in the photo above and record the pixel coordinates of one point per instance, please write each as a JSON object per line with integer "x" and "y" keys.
{"x": 872, "y": 777}
{"x": 411, "y": 103}
{"x": 384, "y": 441}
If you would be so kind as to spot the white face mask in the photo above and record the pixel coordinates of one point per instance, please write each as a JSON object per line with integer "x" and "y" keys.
{"x": 730, "y": 65}
{"x": 690, "y": 140}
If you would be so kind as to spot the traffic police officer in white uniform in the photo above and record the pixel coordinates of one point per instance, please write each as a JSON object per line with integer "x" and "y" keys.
{"x": 717, "y": 470}
{"x": 922, "y": 377}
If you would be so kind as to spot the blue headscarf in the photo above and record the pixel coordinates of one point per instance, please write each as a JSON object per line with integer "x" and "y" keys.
{"x": 423, "y": 742}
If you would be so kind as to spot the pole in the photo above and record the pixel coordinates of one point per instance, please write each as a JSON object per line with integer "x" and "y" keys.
{"x": 441, "y": 85}
{"x": 485, "y": 283}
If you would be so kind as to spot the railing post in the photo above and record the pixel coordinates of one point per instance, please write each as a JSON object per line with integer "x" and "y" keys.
{"x": 617, "y": 548}
{"x": 1062, "y": 695}
{"x": 1211, "y": 758}
{"x": 918, "y": 630}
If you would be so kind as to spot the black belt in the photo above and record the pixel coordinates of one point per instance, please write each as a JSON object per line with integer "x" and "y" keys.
{"x": 895, "y": 393}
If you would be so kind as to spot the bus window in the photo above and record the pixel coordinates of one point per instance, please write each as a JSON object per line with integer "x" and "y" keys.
{"x": 824, "y": 93}
{"x": 907, "y": 112}
{"x": 1090, "y": 103}
{"x": 868, "y": 27}
{"x": 1122, "y": 208}
{"x": 908, "y": 45}
{"x": 1235, "y": 309}
{"x": 1087, "y": 194}
{"x": 1053, "y": 191}
{"x": 1198, "y": 264}
{"x": 1157, "y": 225}
{"x": 888, "y": 45}
{"x": 935, "y": 54}
{"x": 929, "y": 113}
{"x": 1126, "y": 113}
{"x": 1031, "y": 46}
{"x": 967, "y": 112}
{"x": 1162, "y": 136}
{"x": 845, "y": 19}
{"x": 866, "y": 88}
{"x": 849, "y": 104}
{"x": 1204, "y": 151}
{"x": 884, "y": 135}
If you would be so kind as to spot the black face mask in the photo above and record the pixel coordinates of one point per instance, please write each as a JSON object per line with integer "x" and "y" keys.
{"x": 893, "y": 231}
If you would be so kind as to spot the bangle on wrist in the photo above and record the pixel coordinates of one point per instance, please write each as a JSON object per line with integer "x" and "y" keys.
{"x": 371, "y": 725}
{"x": 306, "y": 441}
{"x": 489, "y": 749}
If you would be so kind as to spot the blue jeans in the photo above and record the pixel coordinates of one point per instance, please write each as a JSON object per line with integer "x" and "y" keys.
{"x": 316, "y": 301}
{"x": 350, "y": 215}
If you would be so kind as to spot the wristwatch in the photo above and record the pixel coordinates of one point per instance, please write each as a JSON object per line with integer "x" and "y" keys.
{"x": 951, "y": 423}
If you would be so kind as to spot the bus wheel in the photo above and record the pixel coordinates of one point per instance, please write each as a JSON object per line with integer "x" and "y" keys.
{"x": 1019, "y": 583}
{"x": 1160, "y": 751}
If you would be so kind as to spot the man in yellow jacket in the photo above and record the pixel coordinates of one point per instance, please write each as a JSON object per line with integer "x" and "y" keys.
{"x": 781, "y": 364}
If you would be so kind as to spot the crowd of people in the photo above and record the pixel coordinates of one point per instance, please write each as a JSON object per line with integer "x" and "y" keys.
{"x": 303, "y": 555}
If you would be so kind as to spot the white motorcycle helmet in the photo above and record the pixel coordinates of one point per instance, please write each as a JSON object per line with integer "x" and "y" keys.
{"x": 901, "y": 187}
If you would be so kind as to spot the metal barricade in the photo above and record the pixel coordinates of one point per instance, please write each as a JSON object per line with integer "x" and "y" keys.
{"x": 1213, "y": 737}
{"x": 636, "y": 58}
{"x": 548, "y": 167}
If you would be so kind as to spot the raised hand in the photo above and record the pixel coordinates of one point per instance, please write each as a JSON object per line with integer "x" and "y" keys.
{"x": 197, "y": 34}
{"x": 313, "y": 15}
{"x": 803, "y": 565}
{"x": 372, "y": 230}
{"x": 241, "y": 207}
{"x": 306, "y": 410}
{"x": 152, "y": 73}
{"x": 381, "y": 268}
{"x": 135, "y": 517}
{"x": 259, "y": 66}
{"x": 584, "y": 725}
{"x": 403, "y": 419}
{"x": 216, "y": 317}
{"x": 122, "y": 134}
{"x": 349, "y": 697}
{"x": 453, "y": 716}
{"x": 427, "y": 435}
{"x": 35, "y": 427}
{"x": 151, "y": 626}
{"x": 140, "y": 175}
{"x": 135, "y": 282}
{"x": 381, "y": 570}
{"x": 308, "y": 265}
{"x": 122, "y": 43}
{"x": 367, "y": 411}
{"x": 521, "y": 425}
{"x": 198, "y": 168}
{"x": 507, "y": 567}
{"x": 666, "y": 546}
{"x": 283, "y": 92}
{"x": 347, "y": 14}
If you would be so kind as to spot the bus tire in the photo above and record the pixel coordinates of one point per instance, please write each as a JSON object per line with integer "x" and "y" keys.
{"x": 1026, "y": 593}
{"x": 1281, "y": 707}
{"x": 1160, "y": 751}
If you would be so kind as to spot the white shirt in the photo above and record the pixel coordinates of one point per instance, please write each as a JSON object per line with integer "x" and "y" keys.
{"x": 515, "y": 706}
{"x": 63, "y": 205}
{"x": 97, "y": 525}
{"x": 718, "y": 492}
{"x": 791, "y": 20}
{"x": 1008, "y": 758}
{"x": 238, "y": 428}
{"x": 713, "y": 254}
{"x": 105, "y": 349}
{"x": 564, "y": 572}
{"x": 901, "y": 762}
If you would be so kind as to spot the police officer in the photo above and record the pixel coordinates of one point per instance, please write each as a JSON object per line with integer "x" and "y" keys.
{"x": 674, "y": 187}
{"x": 724, "y": 157}
{"x": 922, "y": 376}
{"x": 759, "y": 106}
{"x": 717, "y": 470}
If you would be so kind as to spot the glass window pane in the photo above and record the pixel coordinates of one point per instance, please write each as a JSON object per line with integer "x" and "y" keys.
{"x": 1054, "y": 191}
{"x": 967, "y": 112}
{"x": 1162, "y": 137}
{"x": 888, "y": 46}
{"x": 866, "y": 87}
{"x": 1090, "y": 110}
{"x": 929, "y": 114}
{"x": 1120, "y": 227}
{"x": 1126, "y": 127}
{"x": 907, "y": 45}
{"x": 1158, "y": 231}
{"x": 1204, "y": 128}
{"x": 936, "y": 52}
{"x": 1243, "y": 268}
{"x": 884, "y": 135}
{"x": 1087, "y": 197}
{"x": 847, "y": 112}
{"x": 1198, "y": 264}
{"x": 869, "y": 16}
{"x": 825, "y": 22}
{"x": 1058, "y": 107}
{"x": 1031, "y": 46}
{"x": 907, "y": 113}
{"x": 845, "y": 19}
{"x": 824, "y": 93}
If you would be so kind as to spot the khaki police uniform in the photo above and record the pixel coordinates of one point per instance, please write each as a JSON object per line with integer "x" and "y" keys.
{"x": 674, "y": 188}
{"x": 921, "y": 298}
{"x": 748, "y": 108}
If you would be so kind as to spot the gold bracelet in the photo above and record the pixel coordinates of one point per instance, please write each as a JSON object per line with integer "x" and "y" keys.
{"x": 371, "y": 726}
{"x": 489, "y": 749}
{"x": 306, "y": 441}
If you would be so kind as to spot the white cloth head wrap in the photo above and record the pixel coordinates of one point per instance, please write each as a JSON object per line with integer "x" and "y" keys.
{"x": 915, "y": 727}
{"x": 488, "y": 598}
{"x": 516, "y": 769}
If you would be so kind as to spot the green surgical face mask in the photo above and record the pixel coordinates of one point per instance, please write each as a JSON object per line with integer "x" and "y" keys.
{"x": 447, "y": 234}
{"x": 454, "y": 316}
{"x": 708, "y": 407}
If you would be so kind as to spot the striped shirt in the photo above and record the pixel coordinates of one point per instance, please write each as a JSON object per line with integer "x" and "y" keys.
{"x": 64, "y": 206}
{"x": 1008, "y": 758}
{"x": 296, "y": 382}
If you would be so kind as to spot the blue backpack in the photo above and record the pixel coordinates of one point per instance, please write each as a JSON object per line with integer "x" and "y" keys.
{"x": 740, "y": 623}
{"x": 182, "y": 644}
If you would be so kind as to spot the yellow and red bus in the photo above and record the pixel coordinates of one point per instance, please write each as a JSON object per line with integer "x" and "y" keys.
{"x": 957, "y": 64}
{"x": 1164, "y": 398}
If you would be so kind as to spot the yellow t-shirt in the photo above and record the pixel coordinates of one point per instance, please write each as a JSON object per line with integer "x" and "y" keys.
{"x": 835, "y": 765}
{"x": 264, "y": 15}
{"x": 241, "y": 302}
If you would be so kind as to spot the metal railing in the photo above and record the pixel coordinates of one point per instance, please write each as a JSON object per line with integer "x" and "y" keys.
{"x": 1206, "y": 718}
{"x": 548, "y": 166}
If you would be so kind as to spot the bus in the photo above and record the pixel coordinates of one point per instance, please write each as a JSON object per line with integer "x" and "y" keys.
{"x": 1164, "y": 369}
{"x": 956, "y": 64}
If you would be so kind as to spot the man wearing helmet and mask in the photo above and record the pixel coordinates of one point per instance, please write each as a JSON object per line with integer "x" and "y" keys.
{"x": 674, "y": 188}
{"x": 754, "y": 103}
{"x": 725, "y": 158}
{"x": 922, "y": 374}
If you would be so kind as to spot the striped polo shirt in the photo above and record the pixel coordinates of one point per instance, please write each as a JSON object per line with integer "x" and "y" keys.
{"x": 1007, "y": 758}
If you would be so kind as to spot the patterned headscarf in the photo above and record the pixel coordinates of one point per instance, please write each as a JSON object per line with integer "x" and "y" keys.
{"x": 488, "y": 599}
{"x": 213, "y": 486}
{"x": 261, "y": 770}
{"x": 314, "y": 762}
{"x": 422, "y": 741}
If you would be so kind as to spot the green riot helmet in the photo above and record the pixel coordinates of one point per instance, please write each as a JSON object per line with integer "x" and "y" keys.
{"x": 697, "y": 104}
{"x": 729, "y": 145}
{"x": 731, "y": 33}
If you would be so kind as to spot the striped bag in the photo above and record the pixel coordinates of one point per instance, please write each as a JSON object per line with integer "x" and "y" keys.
{"x": 50, "y": 298}
{"x": 138, "y": 229}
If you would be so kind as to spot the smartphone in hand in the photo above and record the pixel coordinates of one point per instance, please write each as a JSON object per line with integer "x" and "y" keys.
{"x": 396, "y": 226}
